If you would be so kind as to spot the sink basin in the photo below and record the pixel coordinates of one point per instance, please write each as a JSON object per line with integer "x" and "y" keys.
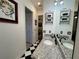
{"x": 68, "y": 45}
{"x": 48, "y": 42}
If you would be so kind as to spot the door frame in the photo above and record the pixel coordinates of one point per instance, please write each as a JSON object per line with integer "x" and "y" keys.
{"x": 26, "y": 24}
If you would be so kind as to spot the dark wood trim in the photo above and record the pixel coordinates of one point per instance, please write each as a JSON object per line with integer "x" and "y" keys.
{"x": 75, "y": 34}
{"x": 16, "y": 15}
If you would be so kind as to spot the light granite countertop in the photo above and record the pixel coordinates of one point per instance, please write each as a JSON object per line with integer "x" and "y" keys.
{"x": 44, "y": 51}
{"x": 67, "y": 53}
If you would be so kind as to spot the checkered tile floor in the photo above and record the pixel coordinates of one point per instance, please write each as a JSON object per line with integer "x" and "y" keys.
{"x": 30, "y": 51}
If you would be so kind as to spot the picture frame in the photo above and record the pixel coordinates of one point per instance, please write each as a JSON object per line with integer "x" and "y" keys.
{"x": 49, "y": 17}
{"x": 35, "y": 22}
{"x": 65, "y": 16}
{"x": 8, "y": 11}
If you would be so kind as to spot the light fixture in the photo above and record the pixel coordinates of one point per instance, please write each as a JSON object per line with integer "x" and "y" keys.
{"x": 55, "y": 3}
{"x": 76, "y": 17}
{"x": 61, "y": 2}
{"x": 56, "y": 0}
{"x": 39, "y": 3}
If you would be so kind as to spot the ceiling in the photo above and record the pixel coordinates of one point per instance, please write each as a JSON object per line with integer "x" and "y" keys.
{"x": 35, "y": 2}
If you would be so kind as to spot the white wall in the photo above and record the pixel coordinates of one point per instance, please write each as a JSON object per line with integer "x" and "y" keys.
{"x": 48, "y": 6}
{"x": 76, "y": 5}
{"x": 12, "y": 36}
{"x": 40, "y": 12}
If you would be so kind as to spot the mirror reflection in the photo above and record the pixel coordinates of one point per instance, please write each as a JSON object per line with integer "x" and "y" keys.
{"x": 57, "y": 27}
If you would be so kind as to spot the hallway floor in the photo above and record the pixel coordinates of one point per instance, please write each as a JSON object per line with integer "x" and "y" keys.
{"x": 30, "y": 51}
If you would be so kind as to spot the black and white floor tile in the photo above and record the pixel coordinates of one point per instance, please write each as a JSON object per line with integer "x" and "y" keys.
{"x": 30, "y": 51}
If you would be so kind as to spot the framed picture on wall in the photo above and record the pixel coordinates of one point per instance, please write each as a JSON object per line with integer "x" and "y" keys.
{"x": 8, "y": 11}
{"x": 35, "y": 22}
{"x": 65, "y": 16}
{"x": 49, "y": 17}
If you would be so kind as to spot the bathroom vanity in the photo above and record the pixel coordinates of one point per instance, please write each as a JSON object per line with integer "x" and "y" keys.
{"x": 52, "y": 48}
{"x": 47, "y": 49}
{"x": 65, "y": 47}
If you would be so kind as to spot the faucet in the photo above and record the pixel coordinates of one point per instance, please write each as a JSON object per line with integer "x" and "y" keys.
{"x": 52, "y": 35}
{"x": 55, "y": 40}
{"x": 61, "y": 38}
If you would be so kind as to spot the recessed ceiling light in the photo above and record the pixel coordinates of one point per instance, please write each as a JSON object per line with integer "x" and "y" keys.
{"x": 56, "y": 0}
{"x": 76, "y": 17}
{"x": 61, "y": 2}
{"x": 55, "y": 3}
{"x": 39, "y": 3}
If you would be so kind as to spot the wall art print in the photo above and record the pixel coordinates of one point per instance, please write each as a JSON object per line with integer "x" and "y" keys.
{"x": 65, "y": 16}
{"x": 49, "y": 17}
{"x": 8, "y": 11}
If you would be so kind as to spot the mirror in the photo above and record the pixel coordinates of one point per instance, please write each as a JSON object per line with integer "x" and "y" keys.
{"x": 66, "y": 41}
{"x": 63, "y": 31}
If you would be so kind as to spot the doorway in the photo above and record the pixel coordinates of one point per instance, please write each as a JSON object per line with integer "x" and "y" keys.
{"x": 28, "y": 22}
{"x": 40, "y": 27}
